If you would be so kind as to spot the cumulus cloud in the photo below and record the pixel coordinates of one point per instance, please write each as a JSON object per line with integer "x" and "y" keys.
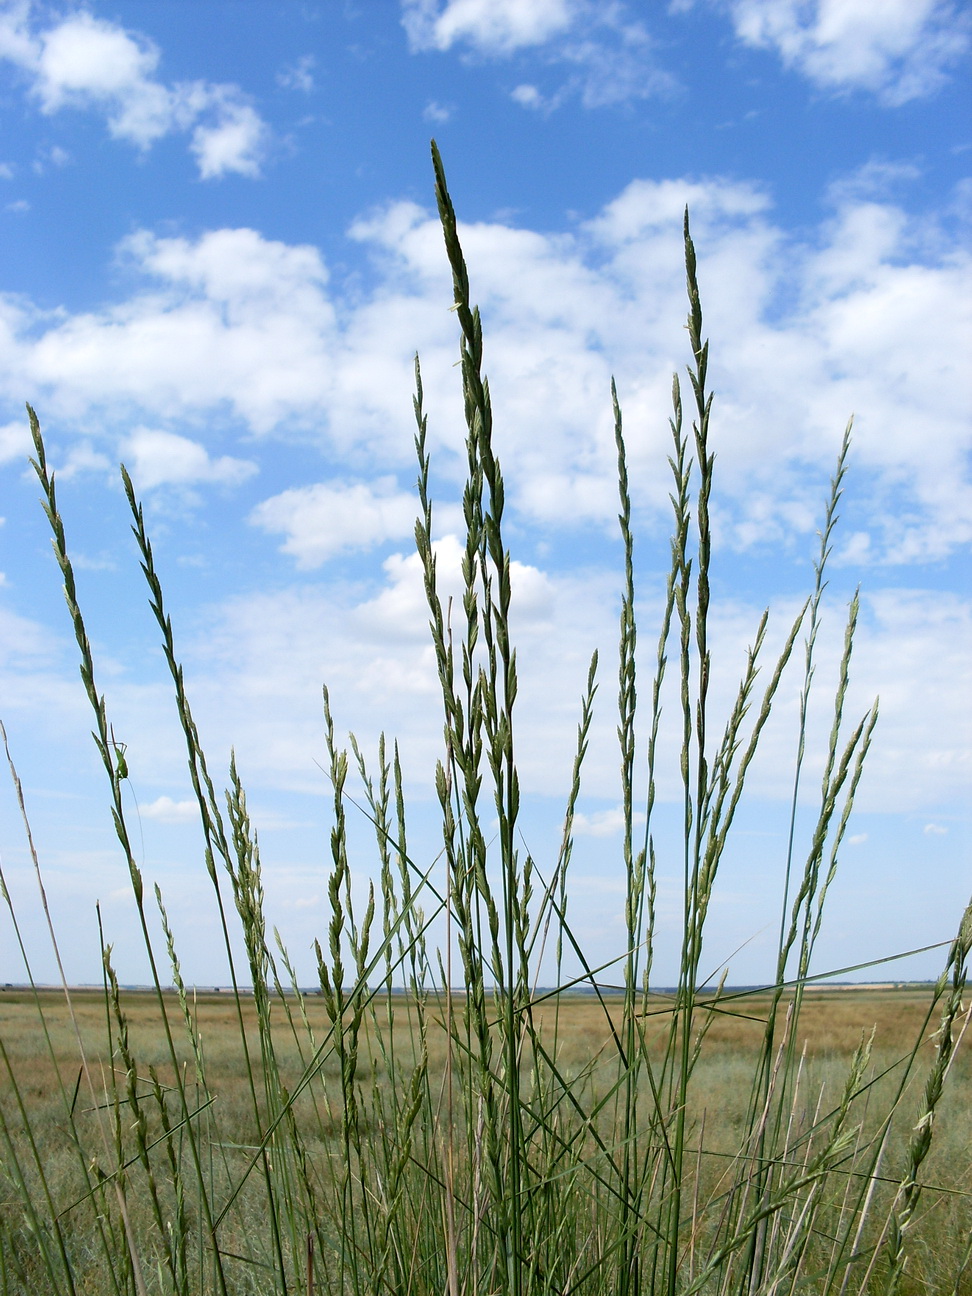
{"x": 804, "y": 332}
{"x": 437, "y": 113}
{"x": 527, "y": 96}
{"x": 158, "y": 458}
{"x": 602, "y": 823}
{"x": 492, "y": 26}
{"x": 85, "y": 63}
{"x": 233, "y": 143}
{"x": 83, "y": 60}
{"x": 165, "y": 810}
{"x": 323, "y": 520}
{"x": 15, "y": 442}
{"x": 900, "y": 49}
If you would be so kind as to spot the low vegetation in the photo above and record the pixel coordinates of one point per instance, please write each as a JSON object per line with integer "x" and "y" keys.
{"x": 390, "y": 1134}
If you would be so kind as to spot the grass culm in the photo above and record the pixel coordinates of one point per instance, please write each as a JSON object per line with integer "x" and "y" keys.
{"x": 426, "y": 1121}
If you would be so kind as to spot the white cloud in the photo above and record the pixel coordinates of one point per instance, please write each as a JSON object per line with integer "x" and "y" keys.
{"x": 437, "y": 113}
{"x": 935, "y": 830}
{"x": 86, "y": 63}
{"x": 16, "y": 42}
{"x": 899, "y": 49}
{"x": 803, "y": 333}
{"x": 323, "y": 520}
{"x": 602, "y": 823}
{"x": 157, "y": 458}
{"x": 82, "y": 562}
{"x": 527, "y": 96}
{"x": 84, "y": 59}
{"x": 257, "y": 662}
{"x": 492, "y": 26}
{"x": 613, "y": 65}
{"x": 165, "y": 810}
{"x": 876, "y": 179}
{"x": 50, "y": 156}
{"x": 234, "y": 144}
{"x": 15, "y": 442}
{"x": 305, "y": 902}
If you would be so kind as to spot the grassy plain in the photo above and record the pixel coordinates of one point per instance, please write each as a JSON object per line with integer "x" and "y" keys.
{"x": 831, "y": 1024}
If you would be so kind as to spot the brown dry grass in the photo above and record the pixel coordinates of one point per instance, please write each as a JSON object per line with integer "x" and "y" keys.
{"x": 831, "y": 1024}
{"x": 830, "y": 1028}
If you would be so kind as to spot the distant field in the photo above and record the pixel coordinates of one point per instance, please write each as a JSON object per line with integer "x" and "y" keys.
{"x": 831, "y": 1020}
{"x": 831, "y": 1026}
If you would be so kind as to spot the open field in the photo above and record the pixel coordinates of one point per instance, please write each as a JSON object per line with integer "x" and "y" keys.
{"x": 831, "y": 1024}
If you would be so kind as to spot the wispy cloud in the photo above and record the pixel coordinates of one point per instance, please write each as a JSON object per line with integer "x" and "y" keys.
{"x": 609, "y": 55}
{"x": 373, "y": 650}
{"x": 299, "y": 75}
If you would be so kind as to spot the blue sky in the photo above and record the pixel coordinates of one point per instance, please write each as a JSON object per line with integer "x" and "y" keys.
{"x": 218, "y": 258}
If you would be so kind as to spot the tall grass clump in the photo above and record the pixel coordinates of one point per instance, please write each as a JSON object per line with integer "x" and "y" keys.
{"x": 456, "y": 1138}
